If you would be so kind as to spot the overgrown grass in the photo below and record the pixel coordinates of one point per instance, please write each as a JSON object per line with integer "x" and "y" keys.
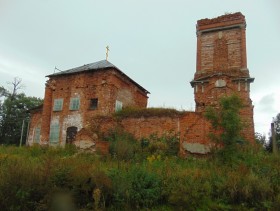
{"x": 148, "y": 112}
{"x": 35, "y": 178}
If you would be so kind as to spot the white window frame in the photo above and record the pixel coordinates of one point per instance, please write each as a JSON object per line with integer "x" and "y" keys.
{"x": 74, "y": 104}
{"x": 54, "y": 133}
{"x": 37, "y": 134}
{"x": 58, "y": 104}
{"x": 118, "y": 106}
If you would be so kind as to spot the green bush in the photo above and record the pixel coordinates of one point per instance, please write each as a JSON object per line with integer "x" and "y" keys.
{"x": 136, "y": 188}
{"x": 145, "y": 190}
{"x": 189, "y": 191}
{"x": 167, "y": 144}
{"x": 21, "y": 183}
{"x": 148, "y": 112}
{"x": 123, "y": 146}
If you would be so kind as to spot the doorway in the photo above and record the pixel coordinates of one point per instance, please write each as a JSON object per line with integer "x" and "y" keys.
{"x": 71, "y": 134}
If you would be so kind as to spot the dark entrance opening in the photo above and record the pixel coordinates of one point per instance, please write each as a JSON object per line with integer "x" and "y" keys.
{"x": 71, "y": 134}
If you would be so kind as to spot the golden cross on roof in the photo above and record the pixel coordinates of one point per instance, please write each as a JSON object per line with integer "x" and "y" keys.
{"x": 107, "y": 52}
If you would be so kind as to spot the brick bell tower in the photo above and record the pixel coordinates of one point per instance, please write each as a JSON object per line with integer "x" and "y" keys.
{"x": 221, "y": 66}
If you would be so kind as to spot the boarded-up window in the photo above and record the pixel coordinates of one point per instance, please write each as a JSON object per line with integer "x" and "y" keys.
{"x": 54, "y": 133}
{"x": 37, "y": 135}
{"x": 58, "y": 103}
{"x": 93, "y": 103}
{"x": 74, "y": 103}
{"x": 118, "y": 106}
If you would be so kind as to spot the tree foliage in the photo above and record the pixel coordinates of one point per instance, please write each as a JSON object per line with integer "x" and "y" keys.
{"x": 268, "y": 145}
{"x": 13, "y": 111}
{"x": 3, "y": 92}
{"x": 277, "y": 129}
{"x": 260, "y": 138}
{"x": 226, "y": 120}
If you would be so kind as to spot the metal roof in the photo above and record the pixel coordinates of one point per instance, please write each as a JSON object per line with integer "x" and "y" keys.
{"x": 92, "y": 66}
{"x": 100, "y": 65}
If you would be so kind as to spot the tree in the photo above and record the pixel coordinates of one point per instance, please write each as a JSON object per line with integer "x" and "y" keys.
{"x": 226, "y": 121}
{"x": 268, "y": 145}
{"x": 13, "y": 112}
{"x": 277, "y": 128}
{"x": 3, "y": 91}
{"x": 260, "y": 138}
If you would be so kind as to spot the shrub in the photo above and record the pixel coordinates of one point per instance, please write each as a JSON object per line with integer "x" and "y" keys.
{"x": 137, "y": 187}
{"x": 123, "y": 146}
{"x": 168, "y": 144}
{"x": 145, "y": 188}
{"x": 120, "y": 187}
{"x": 226, "y": 120}
{"x": 103, "y": 184}
{"x": 21, "y": 183}
{"x": 246, "y": 189}
{"x": 189, "y": 191}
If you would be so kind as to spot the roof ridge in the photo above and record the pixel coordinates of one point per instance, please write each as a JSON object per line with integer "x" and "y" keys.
{"x": 94, "y": 66}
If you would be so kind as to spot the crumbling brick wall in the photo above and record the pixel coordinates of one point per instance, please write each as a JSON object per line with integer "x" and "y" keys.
{"x": 191, "y": 128}
{"x": 35, "y": 122}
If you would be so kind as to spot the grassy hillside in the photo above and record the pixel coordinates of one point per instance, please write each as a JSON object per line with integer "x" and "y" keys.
{"x": 137, "y": 175}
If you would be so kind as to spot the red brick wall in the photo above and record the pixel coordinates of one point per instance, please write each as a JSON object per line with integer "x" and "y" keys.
{"x": 194, "y": 128}
{"x": 144, "y": 127}
{"x": 46, "y": 113}
{"x": 220, "y": 48}
{"x": 191, "y": 127}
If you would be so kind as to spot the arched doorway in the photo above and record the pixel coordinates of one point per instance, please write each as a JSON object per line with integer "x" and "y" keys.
{"x": 71, "y": 134}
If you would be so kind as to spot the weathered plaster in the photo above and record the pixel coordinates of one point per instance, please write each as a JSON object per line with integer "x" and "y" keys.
{"x": 75, "y": 120}
{"x": 196, "y": 148}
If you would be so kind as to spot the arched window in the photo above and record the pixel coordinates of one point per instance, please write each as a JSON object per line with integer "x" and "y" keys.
{"x": 37, "y": 134}
{"x": 54, "y": 133}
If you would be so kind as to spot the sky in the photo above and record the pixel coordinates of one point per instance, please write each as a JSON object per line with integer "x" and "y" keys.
{"x": 152, "y": 41}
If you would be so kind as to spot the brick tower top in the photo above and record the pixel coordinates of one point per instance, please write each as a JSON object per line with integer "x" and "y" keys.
{"x": 221, "y": 66}
{"x": 221, "y": 46}
{"x": 221, "y": 21}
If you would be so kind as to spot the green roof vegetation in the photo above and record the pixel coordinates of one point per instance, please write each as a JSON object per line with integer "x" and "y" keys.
{"x": 149, "y": 112}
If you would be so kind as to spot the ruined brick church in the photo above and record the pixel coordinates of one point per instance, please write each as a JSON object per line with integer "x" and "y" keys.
{"x": 75, "y": 98}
